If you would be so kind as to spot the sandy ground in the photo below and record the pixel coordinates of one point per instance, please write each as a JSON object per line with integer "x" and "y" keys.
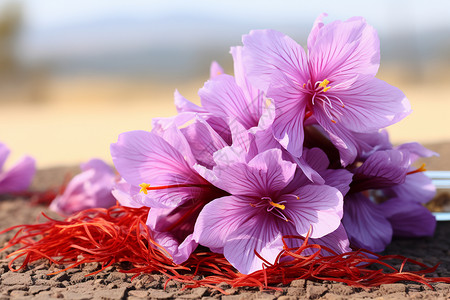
{"x": 76, "y": 120}
{"x": 34, "y": 283}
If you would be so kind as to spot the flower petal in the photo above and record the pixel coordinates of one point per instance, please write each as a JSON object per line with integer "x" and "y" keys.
{"x": 365, "y": 223}
{"x": 184, "y": 105}
{"x": 416, "y": 151}
{"x": 270, "y": 56}
{"x": 260, "y": 235}
{"x": 203, "y": 141}
{"x": 89, "y": 189}
{"x": 318, "y": 206}
{"x": 180, "y": 252}
{"x": 265, "y": 174}
{"x": 381, "y": 170}
{"x": 122, "y": 192}
{"x": 409, "y": 219}
{"x": 215, "y": 70}
{"x": 144, "y": 157}
{"x": 253, "y": 95}
{"x": 368, "y": 105}
{"x": 224, "y": 98}
{"x": 417, "y": 187}
{"x": 18, "y": 178}
{"x": 290, "y": 106}
{"x": 220, "y": 218}
{"x": 4, "y": 153}
{"x": 340, "y": 50}
{"x": 336, "y": 241}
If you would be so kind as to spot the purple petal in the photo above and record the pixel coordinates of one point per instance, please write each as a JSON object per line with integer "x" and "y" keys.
{"x": 381, "y": 170}
{"x": 270, "y": 171}
{"x": 340, "y": 50}
{"x": 265, "y": 174}
{"x": 309, "y": 172}
{"x": 368, "y": 105}
{"x": 143, "y": 157}
{"x": 89, "y": 189}
{"x": 180, "y": 252}
{"x": 122, "y": 192}
{"x": 254, "y": 97}
{"x": 100, "y": 167}
{"x": 220, "y": 218}
{"x": 224, "y": 98}
{"x": 318, "y": 206}
{"x": 417, "y": 187}
{"x": 409, "y": 219}
{"x": 336, "y": 241}
{"x": 270, "y": 56}
{"x": 287, "y": 126}
{"x": 318, "y": 24}
{"x": 184, "y": 105}
{"x": 18, "y": 178}
{"x": 203, "y": 141}
{"x": 416, "y": 151}
{"x": 365, "y": 223}
{"x": 4, "y": 153}
{"x": 337, "y": 178}
{"x": 215, "y": 70}
{"x": 264, "y": 237}
{"x": 345, "y": 142}
{"x": 370, "y": 142}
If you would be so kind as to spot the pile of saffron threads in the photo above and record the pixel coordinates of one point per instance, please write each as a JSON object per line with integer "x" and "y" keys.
{"x": 119, "y": 235}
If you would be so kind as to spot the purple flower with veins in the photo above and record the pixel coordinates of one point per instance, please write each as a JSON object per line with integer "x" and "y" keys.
{"x": 158, "y": 173}
{"x": 18, "y": 177}
{"x": 261, "y": 210}
{"x": 89, "y": 189}
{"x": 333, "y": 85}
{"x": 385, "y": 198}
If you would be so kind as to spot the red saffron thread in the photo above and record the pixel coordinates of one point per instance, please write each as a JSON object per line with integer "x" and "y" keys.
{"x": 119, "y": 234}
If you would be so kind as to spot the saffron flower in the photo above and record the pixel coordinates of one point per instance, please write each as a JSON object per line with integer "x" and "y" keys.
{"x": 332, "y": 85}
{"x": 89, "y": 189}
{"x": 260, "y": 210}
{"x": 18, "y": 178}
{"x": 160, "y": 174}
{"x": 385, "y": 198}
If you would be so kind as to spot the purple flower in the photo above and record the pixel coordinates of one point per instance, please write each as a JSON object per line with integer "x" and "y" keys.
{"x": 18, "y": 177}
{"x": 89, "y": 189}
{"x": 233, "y": 97}
{"x": 158, "y": 173}
{"x": 260, "y": 210}
{"x": 333, "y": 85}
{"x": 385, "y": 198}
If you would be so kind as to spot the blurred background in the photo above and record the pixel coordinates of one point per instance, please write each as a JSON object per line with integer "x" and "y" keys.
{"x": 75, "y": 74}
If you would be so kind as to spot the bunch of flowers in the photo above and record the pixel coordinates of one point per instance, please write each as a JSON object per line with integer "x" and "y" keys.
{"x": 283, "y": 170}
{"x": 293, "y": 143}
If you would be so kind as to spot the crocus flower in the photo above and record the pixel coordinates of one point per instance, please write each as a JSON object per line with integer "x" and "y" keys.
{"x": 18, "y": 177}
{"x": 89, "y": 189}
{"x": 373, "y": 213}
{"x": 260, "y": 211}
{"x": 333, "y": 85}
{"x": 158, "y": 171}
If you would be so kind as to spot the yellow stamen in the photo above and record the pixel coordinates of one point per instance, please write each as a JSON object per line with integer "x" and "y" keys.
{"x": 326, "y": 89}
{"x": 324, "y": 83}
{"x": 333, "y": 121}
{"x": 280, "y": 206}
{"x": 144, "y": 187}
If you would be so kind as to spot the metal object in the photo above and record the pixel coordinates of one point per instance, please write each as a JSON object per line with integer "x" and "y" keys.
{"x": 441, "y": 179}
